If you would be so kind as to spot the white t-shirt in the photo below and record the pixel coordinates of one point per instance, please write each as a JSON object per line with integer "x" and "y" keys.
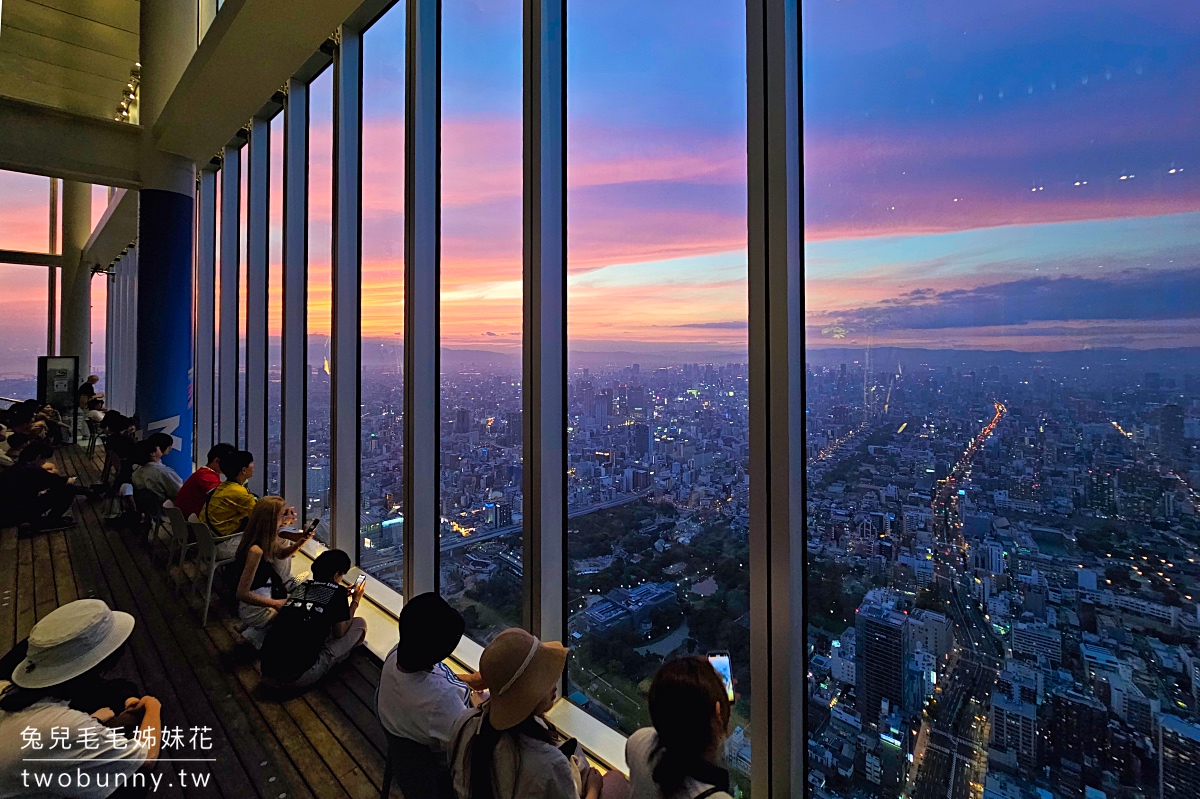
{"x": 639, "y": 757}
{"x": 96, "y": 754}
{"x": 421, "y": 706}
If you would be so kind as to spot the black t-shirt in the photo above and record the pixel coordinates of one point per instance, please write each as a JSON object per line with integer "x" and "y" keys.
{"x": 86, "y": 390}
{"x": 300, "y": 629}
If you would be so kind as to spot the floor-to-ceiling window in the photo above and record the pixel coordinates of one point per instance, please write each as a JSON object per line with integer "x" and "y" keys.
{"x": 1001, "y": 214}
{"x": 480, "y": 477}
{"x": 657, "y": 552}
{"x": 275, "y": 307}
{"x": 320, "y": 296}
{"x": 381, "y": 469}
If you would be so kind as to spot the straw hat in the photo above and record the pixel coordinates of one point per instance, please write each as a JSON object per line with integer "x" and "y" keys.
{"x": 520, "y": 670}
{"x": 71, "y": 641}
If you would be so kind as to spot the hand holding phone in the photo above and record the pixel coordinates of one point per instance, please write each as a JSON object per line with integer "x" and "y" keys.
{"x": 720, "y": 662}
{"x": 360, "y": 587}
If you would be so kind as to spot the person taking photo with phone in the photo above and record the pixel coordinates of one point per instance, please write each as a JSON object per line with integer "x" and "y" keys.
{"x": 679, "y": 757}
{"x": 264, "y": 561}
{"x": 316, "y": 628}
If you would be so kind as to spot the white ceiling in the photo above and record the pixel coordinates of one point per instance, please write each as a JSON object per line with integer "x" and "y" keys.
{"x": 74, "y": 55}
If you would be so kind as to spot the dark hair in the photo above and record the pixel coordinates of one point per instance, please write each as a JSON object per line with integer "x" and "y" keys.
{"x": 682, "y": 699}
{"x": 36, "y": 449}
{"x": 483, "y": 750}
{"x": 233, "y": 463}
{"x": 95, "y": 405}
{"x": 162, "y": 441}
{"x": 142, "y": 451}
{"x": 219, "y": 452}
{"x": 18, "y": 440}
{"x": 329, "y": 563}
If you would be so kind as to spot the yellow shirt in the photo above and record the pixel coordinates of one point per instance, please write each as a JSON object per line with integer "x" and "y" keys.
{"x": 227, "y": 507}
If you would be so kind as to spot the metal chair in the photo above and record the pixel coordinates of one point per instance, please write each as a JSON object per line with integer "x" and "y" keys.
{"x": 208, "y": 560}
{"x": 149, "y": 506}
{"x": 418, "y": 771}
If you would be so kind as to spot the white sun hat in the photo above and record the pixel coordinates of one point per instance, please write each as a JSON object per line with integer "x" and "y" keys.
{"x": 71, "y": 641}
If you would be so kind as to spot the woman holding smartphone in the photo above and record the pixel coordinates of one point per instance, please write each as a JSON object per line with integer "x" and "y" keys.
{"x": 679, "y": 757}
{"x": 264, "y": 559}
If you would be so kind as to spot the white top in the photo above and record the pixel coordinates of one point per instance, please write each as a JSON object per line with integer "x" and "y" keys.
{"x": 639, "y": 757}
{"x": 422, "y": 706}
{"x": 96, "y": 753}
{"x": 157, "y": 477}
{"x": 522, "y": 767}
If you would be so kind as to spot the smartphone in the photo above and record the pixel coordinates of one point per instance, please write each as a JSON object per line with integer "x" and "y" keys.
{"x": 312, "y": 526}
{"x": 362, "y": 579}
{"x": 720, "y": 662}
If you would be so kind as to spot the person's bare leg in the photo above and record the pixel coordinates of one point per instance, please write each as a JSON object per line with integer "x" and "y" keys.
{"x": 614, "y": 785}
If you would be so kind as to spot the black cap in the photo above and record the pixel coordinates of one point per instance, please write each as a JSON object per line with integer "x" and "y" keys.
{"x": 429, "y": 631}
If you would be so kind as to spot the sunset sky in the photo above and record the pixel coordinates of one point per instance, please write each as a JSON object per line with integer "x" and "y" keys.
{"x": 964, "y": 164}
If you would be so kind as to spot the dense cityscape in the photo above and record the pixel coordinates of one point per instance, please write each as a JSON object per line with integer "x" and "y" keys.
{"x": 657, "y": 499}
{"x": 1002, "y": 561}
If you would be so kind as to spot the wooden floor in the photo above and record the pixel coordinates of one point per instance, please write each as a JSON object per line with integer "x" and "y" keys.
{"x": 324, "y": 743}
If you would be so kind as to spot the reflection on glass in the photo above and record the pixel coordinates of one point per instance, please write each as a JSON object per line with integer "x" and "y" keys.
{"x": 275, "y": 307}
{"x": 381, "y": 464}
{"x": 320, "y": 298}
{"x": 1001, "y": 399}
{"x": 23, "y": 319}
{"x": 481, "y": 313}
{"x": 657, "y": 548}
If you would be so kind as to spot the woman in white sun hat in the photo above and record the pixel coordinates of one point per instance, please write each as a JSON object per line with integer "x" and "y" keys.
{"x": 68, "y": 652}
{"x": 506, "y": 749}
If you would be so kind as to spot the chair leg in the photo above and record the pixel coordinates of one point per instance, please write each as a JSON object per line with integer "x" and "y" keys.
{"x": 208, "y": 595}
{"x": 385, "y": 789}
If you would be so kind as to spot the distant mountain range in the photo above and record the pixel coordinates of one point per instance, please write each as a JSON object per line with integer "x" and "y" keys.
{"x": 1179, "y": 359}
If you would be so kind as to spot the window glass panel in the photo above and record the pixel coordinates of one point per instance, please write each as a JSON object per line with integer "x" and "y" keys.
{"x": 243, "y": 295}
{"x": 99, "y": 203}
{"x": 657, "y": 550}
{"x": 481, "y": 313}
{"x": 22, "y": 326}
{"x": 24, "y": 213}
{"x": 275, "y": 307}
{"x": 320, "y": 298}
{"x": 99, "y": 326}
{"x": 381, "y": 471}
{"x": 1001, "y": 396}
{"x": 216, "y": 364}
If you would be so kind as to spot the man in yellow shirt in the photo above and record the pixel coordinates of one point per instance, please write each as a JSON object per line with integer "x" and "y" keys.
{"x": 229, "y": 504}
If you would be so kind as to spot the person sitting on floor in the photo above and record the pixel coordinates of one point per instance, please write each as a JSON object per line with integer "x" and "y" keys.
{"x": 31, "y": 494}
{"x": 316, "y": 628}
{"x": 152, "y": 473}
{"x": 10, "y": 450}
{"x": 507, "y": 749}
{"x": 59, "y": 689}
{"x": 195, "y": 489}
{"x": 419, "y": 698}
{"x": 229, "y": 504}
{"x": 677, "y": 758}
{"x": 264, "y": 561}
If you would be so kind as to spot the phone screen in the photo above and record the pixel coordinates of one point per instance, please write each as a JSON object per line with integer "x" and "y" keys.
{"x": 362, "y": 578}
{"x": 720, "y": 662}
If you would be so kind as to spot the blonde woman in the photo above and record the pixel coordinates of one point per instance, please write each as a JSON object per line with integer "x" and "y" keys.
{"x": 265, "y": 560}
